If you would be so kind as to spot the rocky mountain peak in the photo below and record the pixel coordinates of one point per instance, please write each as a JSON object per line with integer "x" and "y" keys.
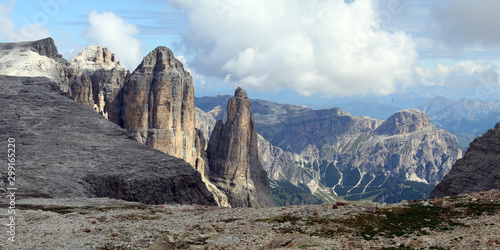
{"x": 46, "y": 47}
{"x": 241, "y": 93}
{"x": 478, "y": 170}
{"x": 233, "y": 156}
{"x": 158, "y": 105}
{"x": 403, "y": 122}
{"x": 160, "y": 59}
{"x": 96, "y": 57}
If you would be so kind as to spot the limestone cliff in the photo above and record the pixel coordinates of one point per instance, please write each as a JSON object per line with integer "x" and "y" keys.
{"x": 96, "y": 79}
{"x": 158, "y": 105}
{"x": 478, "y": 170}
{"x": 233, "y": 157}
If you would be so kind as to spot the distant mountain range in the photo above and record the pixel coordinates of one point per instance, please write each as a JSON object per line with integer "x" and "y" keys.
{"x": 338, "y": 155}
{"x": 465, "y": 118}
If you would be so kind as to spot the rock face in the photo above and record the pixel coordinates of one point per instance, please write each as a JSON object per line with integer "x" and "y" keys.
{"x": 64, "y": 149}
{"x": 96, "y": 80}
{"x": 478, "y": 170}
{"x": 404, "y": 122}
{"x": 158, "y": 105}
{"x": 233, "y": 157}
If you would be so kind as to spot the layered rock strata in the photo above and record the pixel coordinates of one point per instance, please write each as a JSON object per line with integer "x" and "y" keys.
{"x": 233, "y": 156}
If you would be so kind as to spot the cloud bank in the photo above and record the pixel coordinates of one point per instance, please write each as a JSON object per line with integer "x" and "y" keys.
{"x": 327, "y": 47}
{"x": 30, "y": 31}
{"x": 467, "y": 23}
{"x": 108, "y": 30}
{"x": 461, "y": 75}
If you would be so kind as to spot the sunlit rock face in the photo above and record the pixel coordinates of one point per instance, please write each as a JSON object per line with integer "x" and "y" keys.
{"x": 233, "y": 156}
{"x": 158, "y": 105}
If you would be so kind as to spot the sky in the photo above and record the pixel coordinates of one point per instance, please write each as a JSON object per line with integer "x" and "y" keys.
{"x": 315, "y": 52}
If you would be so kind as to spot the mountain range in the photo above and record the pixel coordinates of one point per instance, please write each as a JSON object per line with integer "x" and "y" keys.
{"x": 227, "y": 150}
{"x": 338, "y": 155}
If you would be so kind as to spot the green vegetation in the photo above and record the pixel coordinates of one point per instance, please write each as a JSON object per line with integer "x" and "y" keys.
{"x": 308, "y": 245}
{"x": 389, "y": 223}
{"x": 464, "y": 139}
{"x": 286, "y": 194}
{"x": 407, "y": 190}
{"x": 402, "y": 221}
{"x": 332, "y": 176}
{"x": 349, "y": 180}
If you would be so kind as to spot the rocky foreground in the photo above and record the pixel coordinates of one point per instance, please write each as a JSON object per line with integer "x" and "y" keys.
{"x": 464, "y": 222}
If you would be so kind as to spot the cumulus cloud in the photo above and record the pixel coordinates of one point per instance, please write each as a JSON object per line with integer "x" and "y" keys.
{"x": 108, "y": 30}
{"x": 467, "y": 23}
{"x": 197, "y": 78}
{"x": 29, "y": 31}
{"x": 460, "y": 75}
{"x": 329, "y": 47}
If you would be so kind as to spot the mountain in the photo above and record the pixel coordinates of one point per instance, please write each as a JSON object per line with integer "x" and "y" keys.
{"x": 233, "y": 156}
{"x": 154, "y": 103}
{"x": 338, "y": 155}
{"x": 157, "y": 106}
{"x": 465, "y": 118}
{"x": 33, "y": 59}
{"x": 478, "y": 170}
{"x": 64, "y": 149}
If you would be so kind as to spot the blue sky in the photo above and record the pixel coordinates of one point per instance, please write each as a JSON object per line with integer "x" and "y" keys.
{"x": 302, "y": 52}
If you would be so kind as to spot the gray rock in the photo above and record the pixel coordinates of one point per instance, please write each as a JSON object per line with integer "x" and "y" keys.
{"x": 64, "y": 149}
{"x": 478, "y": 170}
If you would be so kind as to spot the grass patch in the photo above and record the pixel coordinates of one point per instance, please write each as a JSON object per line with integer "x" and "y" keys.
{"x": 55, "y": 209}
{"x": 404, "y": 221}
{"x": 477, "y": 209}
{"x": 308, "y": 245}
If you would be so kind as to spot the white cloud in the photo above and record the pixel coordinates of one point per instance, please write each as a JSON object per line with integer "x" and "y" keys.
{"x": 460, "y": 75}
{"x": 28, "y": 32}
{"x": 108, "y": 30}
{"x": 197, "y": 78}
{"x": 316, "y": 46}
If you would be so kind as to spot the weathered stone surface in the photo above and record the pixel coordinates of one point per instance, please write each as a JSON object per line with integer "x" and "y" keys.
{"x": 95, "y": 58}
{"x": 96, "y": 80}
{"x": 404, "y": 122}
{"x": 233, "y": 156}
{"x": 47, "y": 47}
{"x": 158, "y": 105}
{"x": 64, "y": 149}
{"x": 478, "y": 170}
